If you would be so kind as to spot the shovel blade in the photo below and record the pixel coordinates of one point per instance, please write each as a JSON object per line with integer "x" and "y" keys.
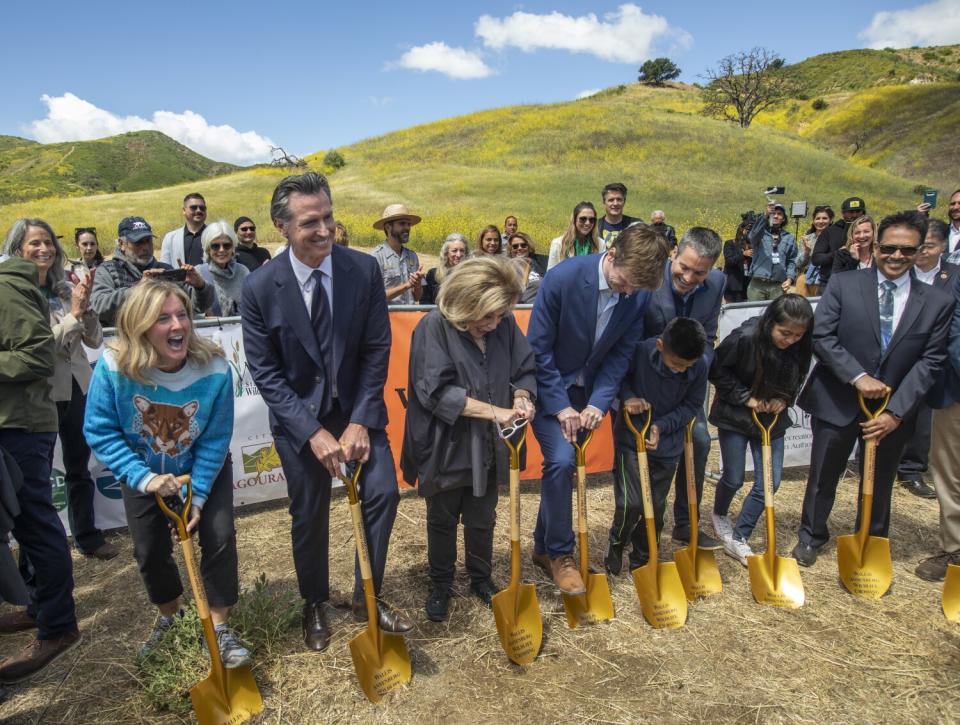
{"x": 382, "y": 662}
{"x": 950, "y": 598}
{"x": 698, "y": 572}
{"x": 662, "y": 599}
{"x": 781, "y": 587}
{"x": 239, "y": 703}
{"x": 517, "y": 613}
{"x": 868, "y": 576}
{"x": 594, "y": 606}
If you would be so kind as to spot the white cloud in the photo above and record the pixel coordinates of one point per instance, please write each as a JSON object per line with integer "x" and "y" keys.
{"x": 70, "y": 118}
{"x": 457, "y": 63}
{"x": 380, "y": 101}
{"x": 588, "y": 93}
{"x": 935, "y": 23}
{"x": 624, "y": 36}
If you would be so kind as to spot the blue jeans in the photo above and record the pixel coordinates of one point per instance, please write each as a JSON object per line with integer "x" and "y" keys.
{"x": 733, "y": 452}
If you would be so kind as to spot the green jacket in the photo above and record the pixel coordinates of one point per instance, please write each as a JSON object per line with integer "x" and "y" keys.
{"x": 27, "y": 352}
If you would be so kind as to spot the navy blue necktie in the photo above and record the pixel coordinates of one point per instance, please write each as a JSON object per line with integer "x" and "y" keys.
{"x": 886, "y": 312}
{"x": 320, "y": 316}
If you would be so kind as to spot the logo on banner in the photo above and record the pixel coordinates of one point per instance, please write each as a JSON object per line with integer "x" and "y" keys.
{"x": 109, "y": 487}
{"x": 58, "y": 484}
{"x": 242, "y": 379}
{"x": 260, "y": 458}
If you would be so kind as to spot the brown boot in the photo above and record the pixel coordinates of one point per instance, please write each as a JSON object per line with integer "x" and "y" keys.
{"x": 566, "y": 575}
{"x": 35, "y": 656}
{"x": 18, "y": 620}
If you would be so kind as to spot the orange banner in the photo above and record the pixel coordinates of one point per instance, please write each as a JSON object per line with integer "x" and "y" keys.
{"x": 402, "y": 322}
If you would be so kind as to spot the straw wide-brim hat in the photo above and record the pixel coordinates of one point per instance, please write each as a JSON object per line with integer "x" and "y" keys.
{"x": 394, "y": 212}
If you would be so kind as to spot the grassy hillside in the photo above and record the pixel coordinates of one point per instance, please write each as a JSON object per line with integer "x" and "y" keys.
{"x": 851, "y": 70}
{"x": 129, "y": 162}
{"x": 535, "y": 162}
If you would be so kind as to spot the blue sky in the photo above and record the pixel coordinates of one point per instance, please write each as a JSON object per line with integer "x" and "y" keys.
{"x": 229, "y": 78}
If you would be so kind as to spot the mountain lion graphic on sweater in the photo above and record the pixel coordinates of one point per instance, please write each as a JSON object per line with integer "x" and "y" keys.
{"x": 167, "y": 429}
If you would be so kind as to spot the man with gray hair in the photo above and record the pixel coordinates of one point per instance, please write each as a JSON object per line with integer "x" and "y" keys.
{"x": 658, "y": 223}
{"x": 692, "y": 288}
{"x": 132, "y": 262}
{"x": 317, "y": 338}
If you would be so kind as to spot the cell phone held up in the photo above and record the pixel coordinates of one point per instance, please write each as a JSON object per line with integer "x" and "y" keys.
{"x": 172, "y": 275}
{"x": 775, "y": 190}
{"x": 930, "y": 197}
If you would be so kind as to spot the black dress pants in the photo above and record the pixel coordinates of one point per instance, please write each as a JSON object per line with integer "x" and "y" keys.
{"x": 445, "y": 509}
{"x": 830, "y": 451}
{"x": 628, "y": 524}
{"x": 916, "y": 454}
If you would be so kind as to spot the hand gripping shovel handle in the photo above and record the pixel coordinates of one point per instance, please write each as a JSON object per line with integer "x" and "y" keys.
{"x": 869, "y": 469}
{"x": 766, "y": 448}
{"x": 514, "y": 449}
{"x": 582, "y": 531}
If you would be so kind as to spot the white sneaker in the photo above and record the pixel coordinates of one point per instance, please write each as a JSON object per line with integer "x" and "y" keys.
{"x": 723, "y": 527}
{"x": 738, "y": 549}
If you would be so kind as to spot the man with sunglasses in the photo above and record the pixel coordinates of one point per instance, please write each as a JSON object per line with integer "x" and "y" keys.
{"x": 876, "y": 331}
{"x": 249, "y": 253}
{"x": 182, "y": 246}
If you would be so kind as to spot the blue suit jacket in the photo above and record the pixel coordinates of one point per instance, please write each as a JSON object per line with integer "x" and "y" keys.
{"x": 705, "y": 308}
{"x": 561, "y": 332}
{"x": 283, "y": 353}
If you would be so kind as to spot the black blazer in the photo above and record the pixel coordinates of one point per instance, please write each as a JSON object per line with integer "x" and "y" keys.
{"x": 846, "y": 342}
{"x": 733, "y": 266}
{"x": 283, "y": 353}
{"x": 828, "y": 242}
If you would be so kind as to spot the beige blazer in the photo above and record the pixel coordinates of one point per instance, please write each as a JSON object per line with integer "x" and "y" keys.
{"x": 71, "y": 360}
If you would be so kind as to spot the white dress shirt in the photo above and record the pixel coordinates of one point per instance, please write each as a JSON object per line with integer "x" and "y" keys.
{"x": 926, "y": 277}
{"x": 303, "y": 274}
{"x": 900, "y": 294}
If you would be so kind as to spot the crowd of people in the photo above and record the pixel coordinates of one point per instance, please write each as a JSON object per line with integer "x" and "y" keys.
{"x": 624, "y": 322}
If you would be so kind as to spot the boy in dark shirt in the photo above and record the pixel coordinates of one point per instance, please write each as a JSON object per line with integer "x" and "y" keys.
{"x": 669, "y": 375}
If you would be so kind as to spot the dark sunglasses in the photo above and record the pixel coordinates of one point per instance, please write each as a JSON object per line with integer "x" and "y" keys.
{"x": 521, "y": 245}
{"x": 216, "y": 247}
{"x": 247, "y": 229}
{"x": 890, "y": 249}
{"x": 196, "y": 207}
{"x": 584, "y": 219}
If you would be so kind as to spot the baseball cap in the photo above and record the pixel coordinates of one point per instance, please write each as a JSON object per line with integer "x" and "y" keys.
{"x": 134, "y": 228}
{"x": 854, "y": 203}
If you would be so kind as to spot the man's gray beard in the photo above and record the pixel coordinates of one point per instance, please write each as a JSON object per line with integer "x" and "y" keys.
{"x": 135, "y": 261}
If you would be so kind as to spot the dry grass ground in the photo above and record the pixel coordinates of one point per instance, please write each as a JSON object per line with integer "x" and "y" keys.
{"x": 838, "y": 659}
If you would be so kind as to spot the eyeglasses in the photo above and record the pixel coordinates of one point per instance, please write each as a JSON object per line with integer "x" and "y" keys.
{"x": 586, "y": 219}
{"x": 197, "y": 207}
{"x": 247, "y": 229}
{"x": 507, "y": 431}
{"x": 227, "y": 246}
{"x": 890, "y": 249}
{"x": 521, "y": 245}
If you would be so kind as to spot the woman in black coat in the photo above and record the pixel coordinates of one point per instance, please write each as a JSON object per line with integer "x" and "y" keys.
{"x": 472, "y": 374}
{"x": 737, "y": 256}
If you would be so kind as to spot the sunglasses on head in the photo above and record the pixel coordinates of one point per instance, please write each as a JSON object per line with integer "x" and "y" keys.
{"x": 197, "y": 207}
{"x": 216, "y": 246}
{"x": 85, "y": 230}
{"x": 890, "y": 249}
{"x": 247, "y": 229}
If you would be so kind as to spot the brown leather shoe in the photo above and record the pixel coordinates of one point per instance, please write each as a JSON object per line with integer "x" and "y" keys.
{"x": 388, "y": 619}
{"x": 104, "y": 553}
{"x": 18, "y": 620}
{"x": 566, "y": 575}
{"x": 35, "y": 656}
{"x": 316, "y": 631}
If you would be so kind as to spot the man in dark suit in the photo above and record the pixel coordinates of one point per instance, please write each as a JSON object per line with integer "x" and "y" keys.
{"x": 691, "y": 288}
{"x": 931, "y": 268}
{"x": 586, "y": 322}
{"x": 875, "y": 330}
{"x": 317, "y": 340}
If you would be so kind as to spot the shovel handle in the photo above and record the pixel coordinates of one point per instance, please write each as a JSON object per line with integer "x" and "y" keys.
{"x": 179, "y": 519}
{"x": 875, "y": 413}
{"x": 765, "y": 430}
{"x": 641, "y": 435}
{"x": 515, "y": 448}
{"x": 581, "y": 449}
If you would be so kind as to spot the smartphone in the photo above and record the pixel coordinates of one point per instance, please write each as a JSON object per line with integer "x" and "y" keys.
{"x": 930, "y": 197}
{"x": 172, "y": 275}
{"x": 776, "y": 190}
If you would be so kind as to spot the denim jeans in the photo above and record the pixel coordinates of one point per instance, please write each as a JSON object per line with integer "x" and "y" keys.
{"x": 733, "y": 452}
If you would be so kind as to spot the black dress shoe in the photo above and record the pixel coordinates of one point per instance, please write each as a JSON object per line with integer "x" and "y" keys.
{"x": 438, "y": 603}
{"x": 388, "y": 619}
{"x": 484, "y": 590}
{"x": 316, "y": 631}
{"x": 681, "y": 535}
{"x": 613, "y": 561}
{"x": 805, "y": 554}
{"x": 917, "y": 487}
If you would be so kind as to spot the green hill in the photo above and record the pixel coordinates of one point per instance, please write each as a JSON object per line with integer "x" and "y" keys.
{"x": 129, "y": 162}
{"x": 536, "y": 162}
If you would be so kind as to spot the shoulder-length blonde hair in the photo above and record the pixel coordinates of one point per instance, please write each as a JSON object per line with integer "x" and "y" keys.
{"x": 478, "y": 287}
{"x": 567, "y": 242}
{"x": 140, "y": 311}
{"x": 848, "y": 244}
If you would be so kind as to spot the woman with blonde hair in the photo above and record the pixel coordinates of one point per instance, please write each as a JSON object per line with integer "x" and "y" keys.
{"x": 221, "y": 268}
{"x": 452, "y": 252}
{"x": 581, "y": 237}
{"x": 857, "y": 251}
{"x": 74, "y": 324}
{"x": 472, "y": 375}
{"x": 161, "y": 406}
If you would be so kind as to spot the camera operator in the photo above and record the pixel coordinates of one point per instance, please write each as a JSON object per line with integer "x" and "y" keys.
{"x": 774, "y": 266}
